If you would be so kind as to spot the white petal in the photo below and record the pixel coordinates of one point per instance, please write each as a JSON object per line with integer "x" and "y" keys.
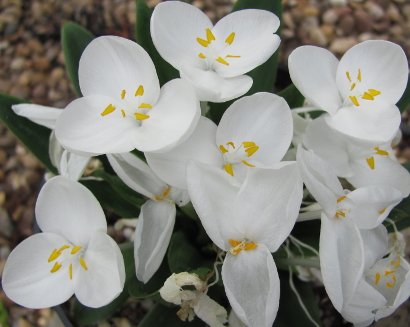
{"x": 69, "y": 209}
{"x": 252, "y": 285}
{"x": 313, "y": 71}
{"x": 172, "y": 119}
{"x": 253, "y": 29}
{"x": 370, "y": 124}
{"x": 200, "y": 146}
{"x": 111, "y": 64}
{"x": 213, "y": 193}
{"x": 55, "y": 150}
{"x": 263, "y": 118}
{"x": 81, "y": 128}
{"x": 210, "y": 86}
{"x": 179, "y": 196}
{"x": 234, "y": 321}
{"x": 72, "y": 165}
{"x": 374, "y": 244}
{"x": 27, "y": 279}
{"x": 271, "y": 197}
{"x": 42, "y": 115}
{"x": 137, "y": 174}
{"x": 383, "y": 67}
{"x": 152, "y": 235}
{"x": 103, "y": 281}
{"x": 175, "y": 26}
{"x": 209, "y": 311}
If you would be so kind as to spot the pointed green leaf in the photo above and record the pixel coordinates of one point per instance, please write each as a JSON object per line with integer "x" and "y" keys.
{"x": 292, "y": 96}
{"x": 404, "y": 102}
{"x": 74, "y": 39}
{"x": 87, "y": 316}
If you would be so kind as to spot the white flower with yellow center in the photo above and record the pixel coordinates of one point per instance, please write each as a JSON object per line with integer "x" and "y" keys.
{"x": 72, "y": 255}
{"x": 359, "y": 92}
{"x": 123, "y": 107}
{"x": 214, "y": 58}
{"x": 248, "y": 221}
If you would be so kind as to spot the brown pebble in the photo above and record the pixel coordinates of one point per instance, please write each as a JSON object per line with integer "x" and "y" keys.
{"x": 25, "y": 78}
{"x": 35, "y": 46}
{"x": 39, "y": 91}
{"x": 5, "y": 85}
{"x": 318, "y": 37}
{"x": 363, "y": 21}
{"x": 20, "y": 91}
{"x": 22, "y": 50}
{"x": 41, "y": 63}
{"x": 311, "y": 11}
{"x": 375, "y": 10}
{"x": 3, "y": 156}
{"x": 347, "y": 25}
{"x": 341, "y": 45}
{"x": 17, "y": 64}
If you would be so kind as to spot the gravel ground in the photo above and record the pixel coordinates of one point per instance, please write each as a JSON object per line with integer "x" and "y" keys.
{"x": 32, "y": 67}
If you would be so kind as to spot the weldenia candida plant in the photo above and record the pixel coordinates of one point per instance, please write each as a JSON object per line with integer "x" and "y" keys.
{"x": 230, "y": 207}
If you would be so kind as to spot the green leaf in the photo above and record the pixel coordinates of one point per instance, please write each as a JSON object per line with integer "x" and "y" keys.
{"x": 404, "y": 102}
{"x": 161, "y": 315}
{"x": 307, "y": 232}
{"x": 35, "y": 137}
{"x": 290, "y": 312}
{"x": 165, "y": 71}
{"x": 203, "y": 273}
{"x": 110, "y": 199}
{"x": 87, "y": 316}
{"x": 74, "y": 39}
{"x": 292, "y": 96}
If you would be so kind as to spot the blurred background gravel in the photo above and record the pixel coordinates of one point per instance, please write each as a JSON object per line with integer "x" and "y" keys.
{"x": 32, "y": 67}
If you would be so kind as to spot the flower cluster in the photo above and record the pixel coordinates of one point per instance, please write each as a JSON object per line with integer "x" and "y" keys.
{"x": 245, "y": 194}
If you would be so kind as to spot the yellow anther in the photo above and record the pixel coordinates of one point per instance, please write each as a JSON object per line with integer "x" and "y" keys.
{"x": 389, "y": 272}
{"x": 394, "y": 282}
{"x": 222, "y": 148}
{"x": 139, "y": 116}
{"x": 63, "y": 248}
{"x": 396, "y": 264}
{"x": 202, "y": 42}
{"x": 340, "y": 213}
{"x": 110, "y": 108}
{"x": 70, "y": 271}
{"x": 159, "y": 199}
{"x": 166, "y": 192}
{"x": 381, "y": 152}
{"x": 123, "y": 113}
{"x": 367, "y": 96}
{"x": 139, "y": 91}
{"x": 359, "y": 75}
{"x": 248, "y": 144}
{"x": 229, "y": 169}
{"x": 247, "y": 163}
{"x": 145, "y": 105}
{"x": 54, "y": 255}
{"x": 230, "y": 56}
{"x": 353, "y": 86}
{"x": 76, "y": 249}
{"x": 250, "y": 246}
{"x": 201, "y": 55}
{"x": 373, "y": 93}
{"x": 234, "y": 243}
{"x": 348, "y": 76}
{"x": 354, "y": 100}
{"x": 377, "y": 279}
{"x": 82, "y": 262}
{"x": 230, "y": 38}
{"x": 123, "y": 94}
{"x": 55, "y": 267}
{"x": 341, "y": 199}
{"x": 370, "y": 162}
{"x": 209, "y": 36}
{"x": 231, "y": 144}
{"x": 382, "y": 211}
{"x": 222, "y": 61}
{"x": 239, "y": 246}
{"x": 251, "y": 151}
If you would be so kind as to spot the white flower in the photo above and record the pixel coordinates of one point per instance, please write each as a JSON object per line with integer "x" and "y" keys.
{"x": 248, "y": 222}
{"x": 359, "y": 92}
{"x": 214, "y": 58}
{"x": 123, "y": 107}
{"x": 72, "y": 255}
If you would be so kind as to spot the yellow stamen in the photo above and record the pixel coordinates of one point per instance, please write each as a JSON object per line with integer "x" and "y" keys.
{"x": 110, "y": 108}
{"x": 348, "y": 76}
{"x": 247, "y": 163}
{"x": 248, "y": 144}
{"x": 123, "y": 94}
{"x": 230, "y": 38}
{"x": 222, "y": 148}
{"x": 166, "y": 192}
{"x": 359, "y": 75}
{"x": 145, "y": 105}
{"x": 354, "y": 100}
{"x": 389, "y": 272}
{"x": 396, "y": 264}
{"x": 373, "y": 93}
{"x": 229, "y": 169}
{"x": 367, "y": 96}
{"x": 239, "y": 246}
{"x": 353, "y": 86}
{"x": 209, "y": 36}
{"x": 231, "y": 143}
{"x": 55, "y": 267}
{"x": 370, "y": 162}
{"x": 251, "y": 151}
{"x": 54, "y": 255}
{"x": 394, "y": 282}
{"x": 76, "y": 249}
{"x": 123, "y": 113}
{"x": 250, "y": 246}
{"x": 82, "y": 262}
{"x": 340, "y": 213}
{"x": 201, "y": 55}
{"x": 202, "y": 42}
{"x": 222, "y": 61}
{"x": 159, "y": 199}
{"x": 139, "y": 91}
{"x": 377, "y": 279}
{"x": 341, "y": 199}
{"x": 139, "y": 116}
{"x": 70, "y": 271}
{"x": 63, "y": 248}
{"x": 381, "y": 152}
{"x": 234, "y": 243}
{"x": 382, "y": 211}
{"x": 230, "y": 56}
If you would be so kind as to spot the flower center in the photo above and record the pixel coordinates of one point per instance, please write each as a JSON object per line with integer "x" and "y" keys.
{"x": 212, "y": 52}
{"x": 164, "y": 195}
{"x": 355, "y": 94}
{"x": 233, "y": 155}
{"x": 340, "y": 211}
{"x": 131, "y": 105}
{"x": 239, "y": 246}
{"x": 67, "y": 258}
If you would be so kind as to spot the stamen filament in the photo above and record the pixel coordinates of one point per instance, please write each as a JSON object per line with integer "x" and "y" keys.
{"x": 82, "y": 262}
{"x": 110, "y": 108}
{"x": 139, "y": 91}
